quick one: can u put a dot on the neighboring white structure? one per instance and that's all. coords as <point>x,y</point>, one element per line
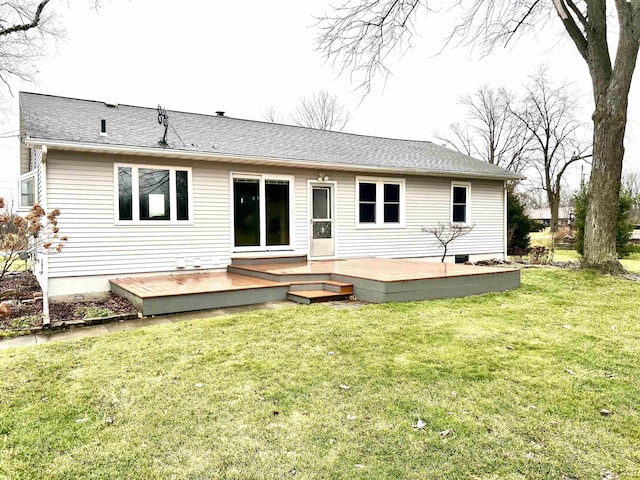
<point>221,187</point>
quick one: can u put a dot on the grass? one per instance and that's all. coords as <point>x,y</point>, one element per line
<point>519,379</point>
<point>543,239</point>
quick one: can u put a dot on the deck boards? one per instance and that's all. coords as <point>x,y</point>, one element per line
<point>375,280</point>
<point>190,283</point>
<point>378,269</point>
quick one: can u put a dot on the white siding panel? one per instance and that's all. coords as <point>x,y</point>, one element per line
<point>427,202</point>
<point>82,187</point>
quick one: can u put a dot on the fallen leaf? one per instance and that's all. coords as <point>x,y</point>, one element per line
<point>345,387</point>
<point>446,432</point>
<point>570,372</point>
<point>419,425</point>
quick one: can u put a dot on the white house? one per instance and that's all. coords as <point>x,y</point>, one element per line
<point>143,192</point>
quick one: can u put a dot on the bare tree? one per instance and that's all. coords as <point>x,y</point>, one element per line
<point>322,111</point>
<point>272,114</point>
<point>24,25</point>
<point>446,233</point>
<point>360,35</point>
<point>547,114</point>
<point>491,131</point>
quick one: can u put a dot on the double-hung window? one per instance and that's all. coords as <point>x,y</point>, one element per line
<point>27,190</point>
<point>380,202</point>
<point>460,193</point>
<point>152,194</point>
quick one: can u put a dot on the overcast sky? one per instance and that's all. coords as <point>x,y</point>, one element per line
<point>203,56</point>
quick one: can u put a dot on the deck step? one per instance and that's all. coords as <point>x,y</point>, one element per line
<point>261,260</point>
<point>315,296</point>
<point>327,285</point>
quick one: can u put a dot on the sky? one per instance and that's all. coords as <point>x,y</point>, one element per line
<point>240,57</point>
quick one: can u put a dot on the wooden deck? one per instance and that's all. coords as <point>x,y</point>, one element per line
<point>192,283</point>
<point>375,280</point>
<point>377,269</point>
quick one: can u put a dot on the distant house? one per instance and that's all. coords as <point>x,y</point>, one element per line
<point>141,196</point>
<point>543,215</point>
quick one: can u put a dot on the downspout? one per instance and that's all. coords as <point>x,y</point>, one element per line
<point>506,225</point>
<point>45,259</point>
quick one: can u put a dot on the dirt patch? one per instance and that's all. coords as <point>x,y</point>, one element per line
<point>25,298</point>
<point>494,262</point>
<point>96,308</point>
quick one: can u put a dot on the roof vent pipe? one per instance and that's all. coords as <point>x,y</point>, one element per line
<point>103,127</point>
<point>220,113</point>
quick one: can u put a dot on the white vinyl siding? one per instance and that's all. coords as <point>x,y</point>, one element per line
<point>428,201</point>
<point>97,246</point>
<point>82,187</point>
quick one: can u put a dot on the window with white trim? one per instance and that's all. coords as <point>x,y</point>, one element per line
<point>262,211</point>
<point>153,193</point>
<point>380,201</point>
<point>460,202</point>
<point>27,190</point>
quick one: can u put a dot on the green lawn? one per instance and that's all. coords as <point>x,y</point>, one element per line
<point>543,239</point>
<point>517,379</point>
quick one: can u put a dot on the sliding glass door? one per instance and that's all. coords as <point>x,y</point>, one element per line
<point>261,212</point>
<point>246,200</point>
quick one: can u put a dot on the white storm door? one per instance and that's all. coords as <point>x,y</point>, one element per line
<point>322,222</point>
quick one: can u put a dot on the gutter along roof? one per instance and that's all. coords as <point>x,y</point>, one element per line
<point>71,124</point>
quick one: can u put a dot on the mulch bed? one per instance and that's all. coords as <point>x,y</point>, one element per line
<point>27,302</point>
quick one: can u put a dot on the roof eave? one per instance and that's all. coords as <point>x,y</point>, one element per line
<point>243,159</point>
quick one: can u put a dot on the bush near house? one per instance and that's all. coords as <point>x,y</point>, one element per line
<point>26,236</point>
<point>519,225</point>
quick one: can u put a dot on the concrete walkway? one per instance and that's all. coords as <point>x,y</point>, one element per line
<point>95,330</point>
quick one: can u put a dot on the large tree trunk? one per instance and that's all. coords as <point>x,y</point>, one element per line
<point>611,94</point>
<point>609,124</point>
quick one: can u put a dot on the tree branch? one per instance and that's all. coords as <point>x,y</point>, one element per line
<point>26,26</point>
<point>572,28</point>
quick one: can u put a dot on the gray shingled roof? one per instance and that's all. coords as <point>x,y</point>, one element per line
<point>61,119</point>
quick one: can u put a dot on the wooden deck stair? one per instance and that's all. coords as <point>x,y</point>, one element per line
<point>323,291</point>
